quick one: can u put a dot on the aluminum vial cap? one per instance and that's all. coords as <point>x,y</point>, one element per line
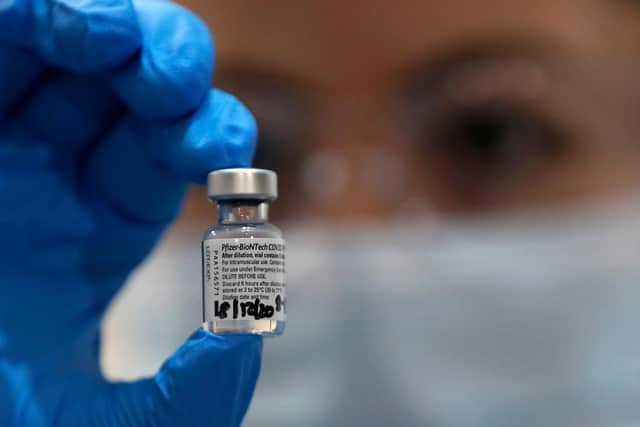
<point>242,183</point>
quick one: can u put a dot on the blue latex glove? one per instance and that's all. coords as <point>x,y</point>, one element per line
<point>105,116</point>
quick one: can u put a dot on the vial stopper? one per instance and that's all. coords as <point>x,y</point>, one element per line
<point>242,183</point>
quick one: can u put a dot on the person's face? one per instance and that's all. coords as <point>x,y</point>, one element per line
<point>371,109</point>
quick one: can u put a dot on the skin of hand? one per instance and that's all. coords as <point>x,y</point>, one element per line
<point>106,117</point>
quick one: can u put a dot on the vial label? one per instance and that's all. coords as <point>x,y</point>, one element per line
<point>244,279</point>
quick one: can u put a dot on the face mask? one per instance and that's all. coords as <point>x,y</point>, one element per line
<point>527,321</point>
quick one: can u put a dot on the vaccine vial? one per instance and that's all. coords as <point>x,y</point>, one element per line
<point>243,256</point>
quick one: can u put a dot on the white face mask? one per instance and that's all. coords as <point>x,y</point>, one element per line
<point>521,322</point>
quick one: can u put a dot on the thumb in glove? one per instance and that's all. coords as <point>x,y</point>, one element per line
<point>209,381</point>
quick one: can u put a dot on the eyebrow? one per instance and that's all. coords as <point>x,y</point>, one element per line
<point>419,78</point>
<point>277,82</point>
<point>427,74</point>
<point>275,86</point>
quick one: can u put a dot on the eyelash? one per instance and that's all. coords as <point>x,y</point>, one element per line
<point>491,145</point>
<point>494,120</point>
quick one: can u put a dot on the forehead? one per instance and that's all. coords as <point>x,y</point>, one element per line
<point>334,41</point>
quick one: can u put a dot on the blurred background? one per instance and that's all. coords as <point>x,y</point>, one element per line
<point>458,187</point>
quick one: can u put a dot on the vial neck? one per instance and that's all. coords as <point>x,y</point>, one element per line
<point>243,212</point>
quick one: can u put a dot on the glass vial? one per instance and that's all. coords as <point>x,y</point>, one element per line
<point>243,256</point>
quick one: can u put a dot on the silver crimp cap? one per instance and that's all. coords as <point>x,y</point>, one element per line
<point>242,183</point>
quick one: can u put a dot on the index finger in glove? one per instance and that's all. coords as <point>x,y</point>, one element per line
<point>142,167</point>
<point>171,74</point>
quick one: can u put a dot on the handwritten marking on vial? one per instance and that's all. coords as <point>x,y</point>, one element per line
<point>255,309</point>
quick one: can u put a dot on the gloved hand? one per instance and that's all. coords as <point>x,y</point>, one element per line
<point>105,116</point>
